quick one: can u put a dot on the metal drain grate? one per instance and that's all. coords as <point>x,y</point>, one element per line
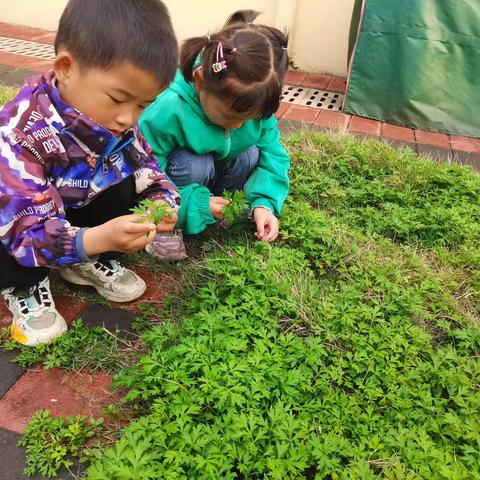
<point>24,47</point>
<point>312,97</point>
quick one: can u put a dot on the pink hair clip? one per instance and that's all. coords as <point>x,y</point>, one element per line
<point>220,64</point>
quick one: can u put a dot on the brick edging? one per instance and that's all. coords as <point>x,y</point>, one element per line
<point>362,125</point>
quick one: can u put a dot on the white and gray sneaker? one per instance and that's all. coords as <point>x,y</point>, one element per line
<point>35,318</point>
<point>111,280</point>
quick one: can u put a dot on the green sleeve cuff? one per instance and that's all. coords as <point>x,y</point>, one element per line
<point>263,202</point>
<point>195,215</point>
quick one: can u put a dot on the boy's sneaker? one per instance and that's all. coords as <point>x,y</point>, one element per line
<point>110,279</point>
<point>168,246</point>
<point>35,319</point>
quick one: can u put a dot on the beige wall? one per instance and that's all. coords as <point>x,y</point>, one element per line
<point>34,13</point>
<point>320,35</point>
<point>318,28</point>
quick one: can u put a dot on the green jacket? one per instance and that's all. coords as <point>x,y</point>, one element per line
<point>176,120</point>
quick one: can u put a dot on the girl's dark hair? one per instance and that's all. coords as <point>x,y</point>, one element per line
<point>101,33</point>
<point>256,62</point>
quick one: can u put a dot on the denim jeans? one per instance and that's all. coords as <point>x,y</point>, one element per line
<point>185,167</point>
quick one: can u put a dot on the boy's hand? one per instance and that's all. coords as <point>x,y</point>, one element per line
<point>167,224</point>
<point>267,224</point>
<point>122,234</point>
<point>217,204</point>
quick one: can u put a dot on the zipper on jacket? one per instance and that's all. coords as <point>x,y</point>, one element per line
<point>228,143</point>
<point>105,165</point>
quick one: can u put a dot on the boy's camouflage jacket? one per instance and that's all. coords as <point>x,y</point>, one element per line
<point>53,158</point>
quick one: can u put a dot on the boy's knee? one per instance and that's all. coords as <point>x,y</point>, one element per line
<point>185,167</point>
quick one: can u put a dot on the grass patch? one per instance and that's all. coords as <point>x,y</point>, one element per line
<point>349,349</point>
<point>80,347</point>
<point>7,93</point>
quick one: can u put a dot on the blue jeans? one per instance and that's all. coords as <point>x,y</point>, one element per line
<point>185,167</point>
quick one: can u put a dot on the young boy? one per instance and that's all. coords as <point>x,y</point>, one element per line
<point>72,162</point>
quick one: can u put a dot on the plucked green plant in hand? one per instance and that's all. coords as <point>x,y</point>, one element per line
<point>152,211</point>
<point>49,441</point>
<point>236,208</point>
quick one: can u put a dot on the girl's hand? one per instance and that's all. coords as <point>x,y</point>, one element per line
<point>217,204</point>
<point>267,224</point>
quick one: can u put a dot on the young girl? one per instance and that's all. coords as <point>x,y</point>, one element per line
<point>214,128</point>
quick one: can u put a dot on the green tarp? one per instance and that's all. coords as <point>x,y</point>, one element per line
<point>416,63</point>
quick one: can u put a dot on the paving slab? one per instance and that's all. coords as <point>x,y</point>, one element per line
<point>333,120</point>
<point>287,127</point>
<point>5,314</point>
<point>400,144</point>
<point>115,320</point>
<point>465,144</point>
<point>12,460</point>
<point>306,115</point>
<point>319,81</point>
<point>295,77</point>
<point>435,152</point>
<point>397,132</point>
<point>432,138</point>
<point>14,76</point>
<point>338,84</point>
<point>9,372</point>
<point>158,284</point>
<point>284,106</point>
<point>467,158</point>
<point>69,307</point>
<point>23,32</point>
<point>63,393</point>
<point>365,125</point>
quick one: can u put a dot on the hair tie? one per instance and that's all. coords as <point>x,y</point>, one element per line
<point>234,49</point>
<point>284,48</point>
<point>220,64</point>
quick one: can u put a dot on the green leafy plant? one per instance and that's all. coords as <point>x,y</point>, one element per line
<point>152,211</point>
<point>348,349</point>
<point>49,441</point>
<point>236,208</point>
<point>80,347</point>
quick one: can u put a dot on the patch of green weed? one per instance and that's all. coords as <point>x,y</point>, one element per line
<point>80,347</point>
<point>348,349</point>
<point>49,441</point>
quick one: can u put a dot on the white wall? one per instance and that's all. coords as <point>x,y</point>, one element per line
<point>318,28</point>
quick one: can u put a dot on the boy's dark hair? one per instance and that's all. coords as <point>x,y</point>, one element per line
<point>256,59</point>
<point>101,33</point>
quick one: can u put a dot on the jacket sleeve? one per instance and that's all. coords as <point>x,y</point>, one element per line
<point>150,180</point>
<point>194,214</point>
<point>268,185</point>
<point>33,228</point>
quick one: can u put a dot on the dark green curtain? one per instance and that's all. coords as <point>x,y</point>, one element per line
<point>416,63</point>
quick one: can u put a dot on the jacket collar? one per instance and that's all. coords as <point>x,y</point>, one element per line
<point>82,129</point>
<point>186,90</point>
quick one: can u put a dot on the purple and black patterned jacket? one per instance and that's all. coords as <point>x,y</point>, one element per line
<point>53,158</point>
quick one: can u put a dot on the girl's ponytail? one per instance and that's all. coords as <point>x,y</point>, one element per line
<point>189,52</point>
<point>242,16</point>
<point>243,64</point>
